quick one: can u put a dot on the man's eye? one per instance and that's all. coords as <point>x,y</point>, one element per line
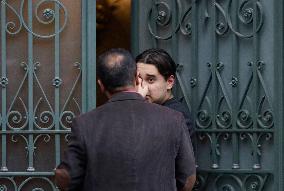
<point>151,80</point>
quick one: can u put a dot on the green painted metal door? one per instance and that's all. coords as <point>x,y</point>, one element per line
<point>229,56</point>
<point>47,77</point>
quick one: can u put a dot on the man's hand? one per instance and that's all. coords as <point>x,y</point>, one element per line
<point>190,181</point>
<point>142,88</point>
<point>62,179</point>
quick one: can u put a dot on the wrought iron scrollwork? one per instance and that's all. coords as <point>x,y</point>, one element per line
<point>204,119</point>
<point>43,119</point>
<point>228,183</point>
<point>185,24</point>
<point>244,119</point>
<point>46,138</point>
<point>8,184</point>
<point>214,147</point>
<point>17,119</point>
<point>254,182</point>
<point>246,15</point>
<point>47,17</point>
<point>222,26</point>
<point>67,116</point>
<point>162,19</point>
<point>223,119</point>
<point>265,119</point>
<point>36,179</point>
<point>231,182</point>
<point>256,144</point>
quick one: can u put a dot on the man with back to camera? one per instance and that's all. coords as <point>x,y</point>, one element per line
<point>126,144</point>
<point>158,72</point>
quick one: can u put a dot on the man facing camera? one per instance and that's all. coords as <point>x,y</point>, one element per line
<point>126,144</point>
<point>158,72</point>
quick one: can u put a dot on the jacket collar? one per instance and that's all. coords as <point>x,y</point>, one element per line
<point>125,96</point>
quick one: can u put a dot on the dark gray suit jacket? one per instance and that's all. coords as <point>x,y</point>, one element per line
<point>129,145</point>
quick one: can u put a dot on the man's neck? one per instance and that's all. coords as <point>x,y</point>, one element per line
<point>122,89</point>
<point>168,97</point>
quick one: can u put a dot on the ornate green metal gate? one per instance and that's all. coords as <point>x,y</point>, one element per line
<point>230,75</point>
<point>47,77</point>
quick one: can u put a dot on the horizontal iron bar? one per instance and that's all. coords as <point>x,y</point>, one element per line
<point>235,130</point>
<point>7,174</point>
<point>36,132</point>
<point>235,171</point>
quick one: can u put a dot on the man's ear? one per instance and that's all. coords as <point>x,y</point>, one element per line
<point>170,82</point>
<point>102,87</point>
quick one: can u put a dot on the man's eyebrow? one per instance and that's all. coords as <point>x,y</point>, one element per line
<point>151,75</point>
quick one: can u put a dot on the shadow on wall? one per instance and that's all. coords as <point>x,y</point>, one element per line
<point>113,29</point>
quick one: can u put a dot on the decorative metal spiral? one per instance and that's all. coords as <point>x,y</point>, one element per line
<point>46,138</point>
<point>244,120</point>
<point>8,184</point>
<point>222,26</point>
<point>11,27</point>
<point>224,121</point>
<point>3,188</point>
<point>45,118</point>
<point>227,183</point>
<point>265,120</point>
<point>246,15</point>
<point>16,120</point>
<point>185,25</point>
<point>163,18</point>
<point>66,119</point>
<point>203,119</point>
<point>254,182</point>
<point>29,180</point>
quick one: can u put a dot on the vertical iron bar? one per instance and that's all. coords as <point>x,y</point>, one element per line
<point>91,56</point>
<point>84,54</point>
<point>278,23</point>
<point>30,87</point>
<point>255,84</point>
<point>214,84</point>
<point>235,90</point>
<point>57,90</point>
<point>174,41</point>
<point>214,65</point>
<point>4,91</point>
<point>153,23</point>
<point>194,66</point>
<point>135,28</point>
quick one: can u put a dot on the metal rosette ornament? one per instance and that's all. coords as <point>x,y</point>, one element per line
<point>160,15</point>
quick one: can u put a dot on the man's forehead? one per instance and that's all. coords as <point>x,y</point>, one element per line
<point>148,69</point>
